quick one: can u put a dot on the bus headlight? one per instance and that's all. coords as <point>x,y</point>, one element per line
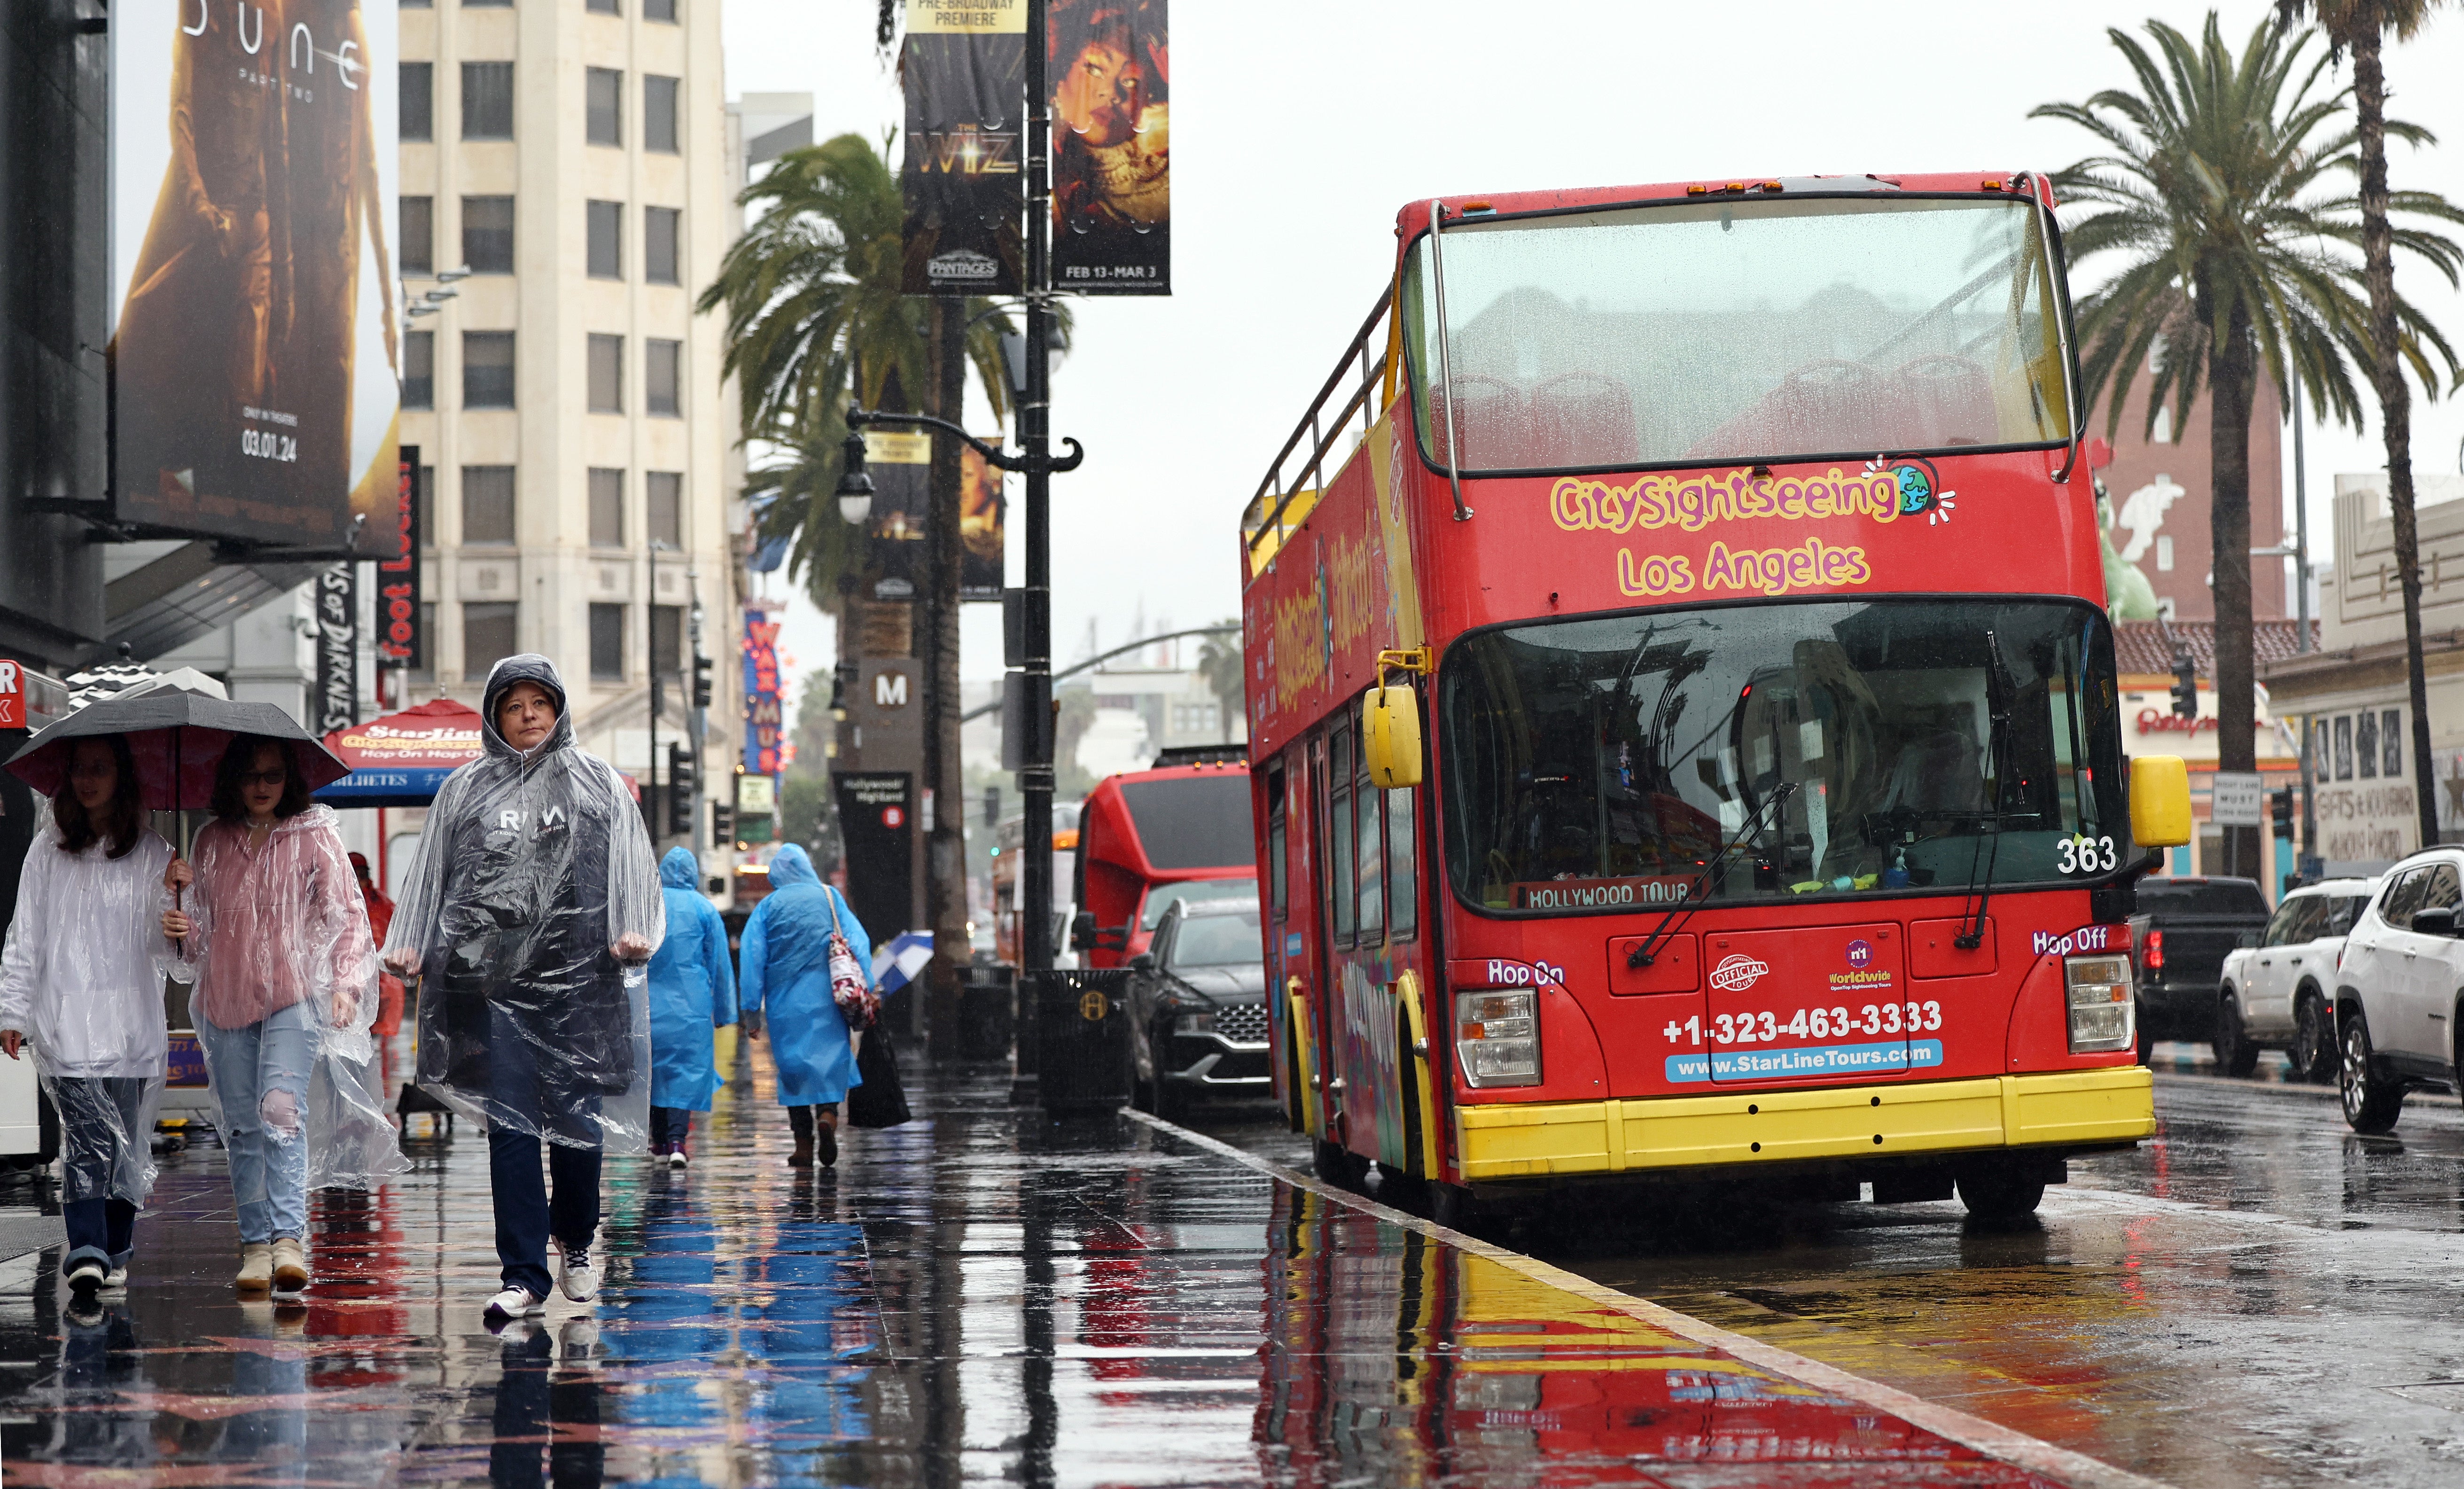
<point>1497,1036</point>
<point>2103,1013</point>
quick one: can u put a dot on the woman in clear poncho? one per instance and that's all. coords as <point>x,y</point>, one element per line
<point>530,905</point>
<point>272,928</point>
<point>81,984</point>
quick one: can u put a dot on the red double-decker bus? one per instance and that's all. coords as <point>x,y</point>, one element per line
<point>1682,719</point>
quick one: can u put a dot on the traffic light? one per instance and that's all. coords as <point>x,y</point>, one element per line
<point>992,806</point>
<point>701,682</point>
<point>2185,687</point>
<point>843,682</point>
<point>722,824</point>
<point>2279,805</point>
<point>683,770</point>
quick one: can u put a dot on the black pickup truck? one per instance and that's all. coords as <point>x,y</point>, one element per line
<point>2179,940</point>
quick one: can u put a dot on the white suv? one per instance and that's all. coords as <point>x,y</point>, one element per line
<point>2400,988</point>
<point>2276,992</point>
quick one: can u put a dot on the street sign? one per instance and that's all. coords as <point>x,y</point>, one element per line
<point>2237,801</point>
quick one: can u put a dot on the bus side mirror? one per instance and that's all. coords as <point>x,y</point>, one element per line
<point>2160,801</point>
<point>1390,735</point>
<point>1082,931</point>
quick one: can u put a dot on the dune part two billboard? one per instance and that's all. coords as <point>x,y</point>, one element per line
<point>256,340</point>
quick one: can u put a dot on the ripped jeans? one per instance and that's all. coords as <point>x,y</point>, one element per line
<point>260,1079</point>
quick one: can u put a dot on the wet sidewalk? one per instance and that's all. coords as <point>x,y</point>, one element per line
<point>975,1297</point>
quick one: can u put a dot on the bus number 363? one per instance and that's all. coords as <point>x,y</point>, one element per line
<point>1818,1023</point>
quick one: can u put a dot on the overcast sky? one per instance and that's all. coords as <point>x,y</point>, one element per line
<point>1299,129</point>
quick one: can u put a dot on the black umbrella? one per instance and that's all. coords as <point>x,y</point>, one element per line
<point>177,738</point>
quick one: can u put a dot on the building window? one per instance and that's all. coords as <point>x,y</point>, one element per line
<point>603,7</point>
<point>487,506</point>
<point>487,637</point>
<point>488,235</point>
<point>2344,747</point>
<point>663,376</point>
<point>487,4</point>
<point>2320,754</point>
<point>606,238</point>
<point>486,101</point>
<point>668,638</point>
<point>419,370</point>
<point>487,369</point>
<point>659,10</point>
<point>2365,745</point>
<point>607,374</point>
<point>2391,741</point>
<point>607,508</point>
<point>606,644</point>
<point>659,115</point>
<point>602,98</point>
<point>418,234</point>
<point>666,491</point>
<point>417,120</point>
<point>2165,553</point>
<point>427,507</point>
<point>661,226</point>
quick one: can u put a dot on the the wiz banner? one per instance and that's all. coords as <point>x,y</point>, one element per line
<point>255,347</point>
<point>1109,64</point>
<point>964,68</point>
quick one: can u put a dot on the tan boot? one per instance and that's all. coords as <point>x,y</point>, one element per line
<point>290,1264</point>
<point>802,1156</point>
<point>255,1268</point>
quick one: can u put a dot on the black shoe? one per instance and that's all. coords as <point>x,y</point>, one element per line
<point>86,1277</point>
<point>825,1144</point>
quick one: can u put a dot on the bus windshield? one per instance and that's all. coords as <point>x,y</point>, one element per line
<point>1842,747</point>
<point>1749,329</point>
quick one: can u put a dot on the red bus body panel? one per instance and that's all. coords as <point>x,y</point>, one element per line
<point>1116,873</point>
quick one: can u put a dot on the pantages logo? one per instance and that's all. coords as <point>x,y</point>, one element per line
<point>1738,971</point>
<point>962,264</point>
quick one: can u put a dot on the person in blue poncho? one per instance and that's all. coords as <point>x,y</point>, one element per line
<point>693,993</point>
<point>786,962</point>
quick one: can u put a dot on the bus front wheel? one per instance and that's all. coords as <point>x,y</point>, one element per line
<point>1999,1196</point>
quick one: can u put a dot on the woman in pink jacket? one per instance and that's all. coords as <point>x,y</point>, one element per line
<point>278,934</point>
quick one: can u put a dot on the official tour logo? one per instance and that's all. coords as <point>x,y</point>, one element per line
<point>1860,953</point>
<point>1738,971</point>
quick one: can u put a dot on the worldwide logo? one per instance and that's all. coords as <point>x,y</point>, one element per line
<point>1737,973</point>
<point>1859,953</point>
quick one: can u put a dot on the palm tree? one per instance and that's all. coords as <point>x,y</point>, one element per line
<point>2212,189</point>
<point>1218,662</point>
<point>2362,26</point>
<point>816,320</point>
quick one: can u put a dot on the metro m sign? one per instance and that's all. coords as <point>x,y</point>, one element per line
<point>889,690</point>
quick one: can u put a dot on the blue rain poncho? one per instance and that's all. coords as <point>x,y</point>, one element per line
<point>787,959</point>
<point>692,990</point>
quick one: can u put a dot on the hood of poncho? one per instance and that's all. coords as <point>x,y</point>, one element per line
<point>792,866</point>
<point>528,667</point>
<point>679,869</point>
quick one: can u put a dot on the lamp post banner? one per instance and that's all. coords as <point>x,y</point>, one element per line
<point>983,520</point>
<point>964,68</point>
<point>257,337</point>
<point>1110,66</point>
<point>338,648</point>
<point>761,726</point>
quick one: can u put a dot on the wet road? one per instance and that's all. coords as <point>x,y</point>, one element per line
<point>972,1296</point>
<point>2257,1297</point>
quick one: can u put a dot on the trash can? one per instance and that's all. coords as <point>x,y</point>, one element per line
<point>1082,1028</point>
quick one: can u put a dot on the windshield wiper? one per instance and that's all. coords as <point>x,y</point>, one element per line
<point>1997,707</point>
<point>1700,890</point>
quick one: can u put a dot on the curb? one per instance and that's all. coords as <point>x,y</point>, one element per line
<point>1990,1439</point>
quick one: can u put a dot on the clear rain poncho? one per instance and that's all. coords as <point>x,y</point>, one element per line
<point>81,978</point>
<point>280,926</point>
<point>529,868</point>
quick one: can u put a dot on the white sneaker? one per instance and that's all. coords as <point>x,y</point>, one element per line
<point>517,1302</point>
<point>577,1276</point>
<point>117,1277</point>
<point>676,1159</point>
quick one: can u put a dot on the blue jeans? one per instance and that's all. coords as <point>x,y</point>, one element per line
<point>260,1077</point>
<point>102,1123</point>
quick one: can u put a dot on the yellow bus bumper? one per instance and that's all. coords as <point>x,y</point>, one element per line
<point>2082,1108</point>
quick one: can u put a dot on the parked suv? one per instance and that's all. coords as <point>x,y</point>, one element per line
<point>2185,929</point>
<point>2400,988</point>
<point>2275,989</point>
<point>1198,1007</point>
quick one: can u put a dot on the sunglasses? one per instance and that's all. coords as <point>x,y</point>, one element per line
<point>265,777</point>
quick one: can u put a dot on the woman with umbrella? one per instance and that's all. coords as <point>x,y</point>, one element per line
<point>278,935</point>
<point>81,980</point>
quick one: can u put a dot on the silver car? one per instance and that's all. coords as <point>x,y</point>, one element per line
<point>2276,993</point>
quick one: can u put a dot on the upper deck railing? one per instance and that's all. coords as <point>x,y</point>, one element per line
<point>1265,524</point>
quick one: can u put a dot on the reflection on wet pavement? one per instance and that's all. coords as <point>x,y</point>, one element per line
<point>2258,1297</point>
<point>972,1296</point>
